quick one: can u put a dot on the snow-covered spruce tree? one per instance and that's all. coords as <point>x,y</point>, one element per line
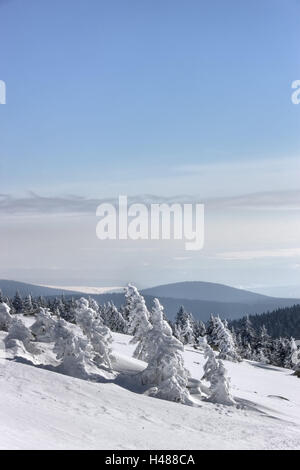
<point>18,335</point>
<point>220,387</point>
<point>5,317</point>
<point>187,332</point>
<point>177,332</point>
<point>74,352</point>
<point>2,300</point>
<point>41,301</point>
<point>211,335</point>
<point>27,305</point>
<point>292,356</point>
<point>97,334</point>
<point>18,303</point>
<point>224,342</point>
<point>114,319</point>
<point>68,311</point>
<point>165,373</point>
<point>57,306</point>
<point>284,352</point>
<point>124,313</point>
<point>248,339</point>
<point>263,346</point>
<point>9,301</point>
<point>199,329</point>
<point>93,304</point>
<point>44,326</point>
<point>184,326</point>
<point>138,322</point>
<point>211,364</point>
<point>215,373</point>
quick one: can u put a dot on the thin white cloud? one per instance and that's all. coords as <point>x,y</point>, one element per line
<point>256,254</point>
<point>33,203</point>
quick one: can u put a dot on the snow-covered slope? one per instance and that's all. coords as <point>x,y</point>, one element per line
<point>41,409</point>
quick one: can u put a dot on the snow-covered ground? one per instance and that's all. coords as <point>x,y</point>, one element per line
<point>41,409</point>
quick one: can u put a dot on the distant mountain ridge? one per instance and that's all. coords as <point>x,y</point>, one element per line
<point>10,287</point>
<point>197,290</point>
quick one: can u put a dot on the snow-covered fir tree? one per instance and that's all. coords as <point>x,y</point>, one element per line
<point>73,352</point>
<point>184,326</point>
<point>93,304</point>
<point>248,339</point>
<point>5,317</point>
<point>57,306</point>
<point>220,387</point>
<point>283,351</point>
<point>165,373</point>
<point>215,373</point>
<point>187,335</point>
<point>211,335</point>
<point>68,311</point>
<point>224,341</point>
<point>263,346</point>
<point>96,332</point>
<point>211,364</point>
<point>291,356</point>
<point>138,322</point>
<point>44,326</point>
<point>199,329</point>
<point>27,305</point>
<point>114,319</point>
<point>18,303</point>
<point>19,333</point>
<point>41,301</point>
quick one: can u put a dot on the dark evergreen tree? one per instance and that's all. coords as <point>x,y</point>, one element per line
<point>262,348</point>
<point>211,328</point>
<point>18,303</point>
<point>248,338</point>
<point>184,326</point>
<point>199,329</point>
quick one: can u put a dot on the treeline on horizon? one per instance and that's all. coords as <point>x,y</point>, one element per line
<point>279,323</point>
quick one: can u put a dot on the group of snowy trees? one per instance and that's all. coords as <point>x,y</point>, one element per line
<point>165,375</point>
<point>78,352</point>
<point>86,344</point>
<point>280,323</point>
<point>134,318</point>
<point>241,341</point>
<point>260,346</point>
<point>30,305</point>
<point>186,328</point>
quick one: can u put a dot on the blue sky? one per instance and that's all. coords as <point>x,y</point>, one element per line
<point>144,86</point>
<point>163,97</point>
